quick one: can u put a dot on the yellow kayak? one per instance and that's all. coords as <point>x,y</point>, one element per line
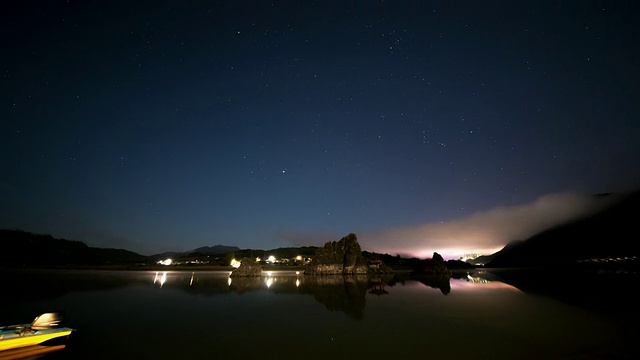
<point>43,328</point>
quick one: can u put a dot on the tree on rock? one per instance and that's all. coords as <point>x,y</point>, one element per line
<point>339,257</point>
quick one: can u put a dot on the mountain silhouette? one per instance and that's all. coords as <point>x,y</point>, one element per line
<point>204,250</point>
<point>609,236</point>
<point>216,249</point>
<point>21,248</point>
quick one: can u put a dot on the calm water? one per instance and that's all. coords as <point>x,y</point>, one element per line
<point>207,315</point>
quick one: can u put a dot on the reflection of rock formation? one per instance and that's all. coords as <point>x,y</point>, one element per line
<point>434,273</point>
<point>437,282</point>
<point>248,267</point>
<point>377,286</point>
<point>339,293</point>
<point>341,257</point>
<point>244,284</point>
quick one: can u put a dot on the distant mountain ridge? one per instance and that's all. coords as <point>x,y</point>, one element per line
<point>203,250</point>
<point>216,249</point>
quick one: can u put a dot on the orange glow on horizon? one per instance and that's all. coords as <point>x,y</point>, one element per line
<point>454,253</point>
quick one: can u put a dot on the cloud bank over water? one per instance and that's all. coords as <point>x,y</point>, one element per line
<point>484,232</point>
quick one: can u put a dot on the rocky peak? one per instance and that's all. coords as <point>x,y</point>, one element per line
<point>248,267</point>
<point>339,257</point>
<point>436,266</point>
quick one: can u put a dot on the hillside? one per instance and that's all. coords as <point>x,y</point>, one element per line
<point>20,249</point>
<point>607,237</point>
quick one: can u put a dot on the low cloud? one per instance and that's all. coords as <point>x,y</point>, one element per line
<point>484,232</point>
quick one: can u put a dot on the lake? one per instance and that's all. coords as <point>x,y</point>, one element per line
<point>284,315</point>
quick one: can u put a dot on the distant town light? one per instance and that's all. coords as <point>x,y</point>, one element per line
<point>235,263</point>
<point>165,262</point>
<point>271,259</point>
<point>299,258</point>
<point>258,259</point>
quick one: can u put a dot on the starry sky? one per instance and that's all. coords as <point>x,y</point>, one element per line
<point>449,126</point>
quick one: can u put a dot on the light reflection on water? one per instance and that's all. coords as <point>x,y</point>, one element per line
<point>472,316</point>
<point>289,278</point>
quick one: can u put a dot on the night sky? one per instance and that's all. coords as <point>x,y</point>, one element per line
<point>451,126</point>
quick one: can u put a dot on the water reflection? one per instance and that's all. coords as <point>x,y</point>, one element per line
<point>436,282</point>
<point>339,293</point>
<point>162,280</point>
<point>324,316</point>
<point>477,279</point>
<point>242,285</point>
<point>31,352</point>
<point>346,294</point>
<point>377,287</point>
<point>607,293</point>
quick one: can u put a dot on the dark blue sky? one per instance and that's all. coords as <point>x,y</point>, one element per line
<point>168,125</point>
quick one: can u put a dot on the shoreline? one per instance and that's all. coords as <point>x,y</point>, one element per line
<point>134,267</point>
